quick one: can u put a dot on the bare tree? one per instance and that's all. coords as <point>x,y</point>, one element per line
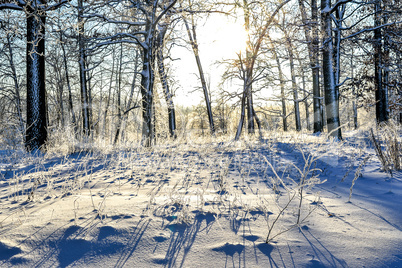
<point>192,35</point>
<point>36,128</point>
<point>247,66</point>
<point>330,88</point>
<point>162,29</point>
<point>311,34</point>
<point>381,92</point>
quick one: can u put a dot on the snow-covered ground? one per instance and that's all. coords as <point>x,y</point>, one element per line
<point>205,204</point>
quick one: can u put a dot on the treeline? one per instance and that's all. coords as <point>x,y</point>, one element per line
<point>95,66</point>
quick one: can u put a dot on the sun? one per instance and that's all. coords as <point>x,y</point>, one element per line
<point>234,37</point>
<point>225,37</point>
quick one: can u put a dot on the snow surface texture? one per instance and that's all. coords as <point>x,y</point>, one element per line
<point>202,205</point>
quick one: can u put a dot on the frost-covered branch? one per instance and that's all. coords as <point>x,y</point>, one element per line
<point>371,29</point>
<point>10,6</point>
<point>108,20</point>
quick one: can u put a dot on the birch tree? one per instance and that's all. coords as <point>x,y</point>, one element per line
<point>330,88</point>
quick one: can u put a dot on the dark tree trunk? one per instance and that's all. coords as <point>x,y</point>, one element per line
<point>294,84</point>
<point>119,106</point>
<point>194,44</point>
<point>147,85</point>
<point>380,88</point>
<point>354,97</point>
<point>250,110</point>
<point>85,105</point>
<point>242,111</point>
<point>313,48</point>
<point>249,71</point>
<point>36,129</point>
<point>70,97</point>
<point>306,102</point>
<point>283,96</point>
<point>60,102</point>
<point>284,112</point>
<point>317,102</point>
<point>257,120</point>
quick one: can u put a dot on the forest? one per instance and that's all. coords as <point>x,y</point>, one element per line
<point>180,133</point>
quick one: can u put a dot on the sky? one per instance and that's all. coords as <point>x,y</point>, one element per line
<point>219,38</point>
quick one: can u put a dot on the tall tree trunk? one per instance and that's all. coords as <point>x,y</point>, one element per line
<point>70,97</point>
<point>60,88</point>
<point>315,67</point>
<point>249,71</point>
<point>250,111</point>
<point>339,15</point>
<point>257,120</point>
<point>283,100</point>
<point>119,112</point>
<point>380,89</point>
<point>331,95</point>
<point>385,63</point>
<point>294,84</point>
<point>36,129</point>
<point>242,111</point>
<point>282,86</point>
<point>192,35</point>
<point>147,85</point>
<point>89,92</point>
<point>313,49</point>
<point>164,81</point>
<point>251,56</point>
<point>306,101</point>
<point>354,95</point>
<point>83,78</point>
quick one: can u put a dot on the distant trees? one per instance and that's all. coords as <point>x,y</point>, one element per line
<point>11,84</point>
<point>247,63</point>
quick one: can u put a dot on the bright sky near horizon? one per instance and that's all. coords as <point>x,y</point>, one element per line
<point>219,38</point>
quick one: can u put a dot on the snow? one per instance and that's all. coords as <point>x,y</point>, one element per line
<point>201,204</point>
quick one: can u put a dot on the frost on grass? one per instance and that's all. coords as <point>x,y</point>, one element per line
<point>178,182</point>
<point>235,196</point>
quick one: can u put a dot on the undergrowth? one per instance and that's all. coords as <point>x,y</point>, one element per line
<point>181,179</point>
<point>388,146</point>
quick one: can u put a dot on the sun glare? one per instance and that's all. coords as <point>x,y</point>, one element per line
<point>234,37</point>
<point>227,36</point>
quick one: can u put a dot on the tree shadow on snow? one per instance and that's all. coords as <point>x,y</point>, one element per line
<point>7,252</point>
<point>322,257</point>
<point>132,244</point>
<point>231,250</point>
<point>182,239</point>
